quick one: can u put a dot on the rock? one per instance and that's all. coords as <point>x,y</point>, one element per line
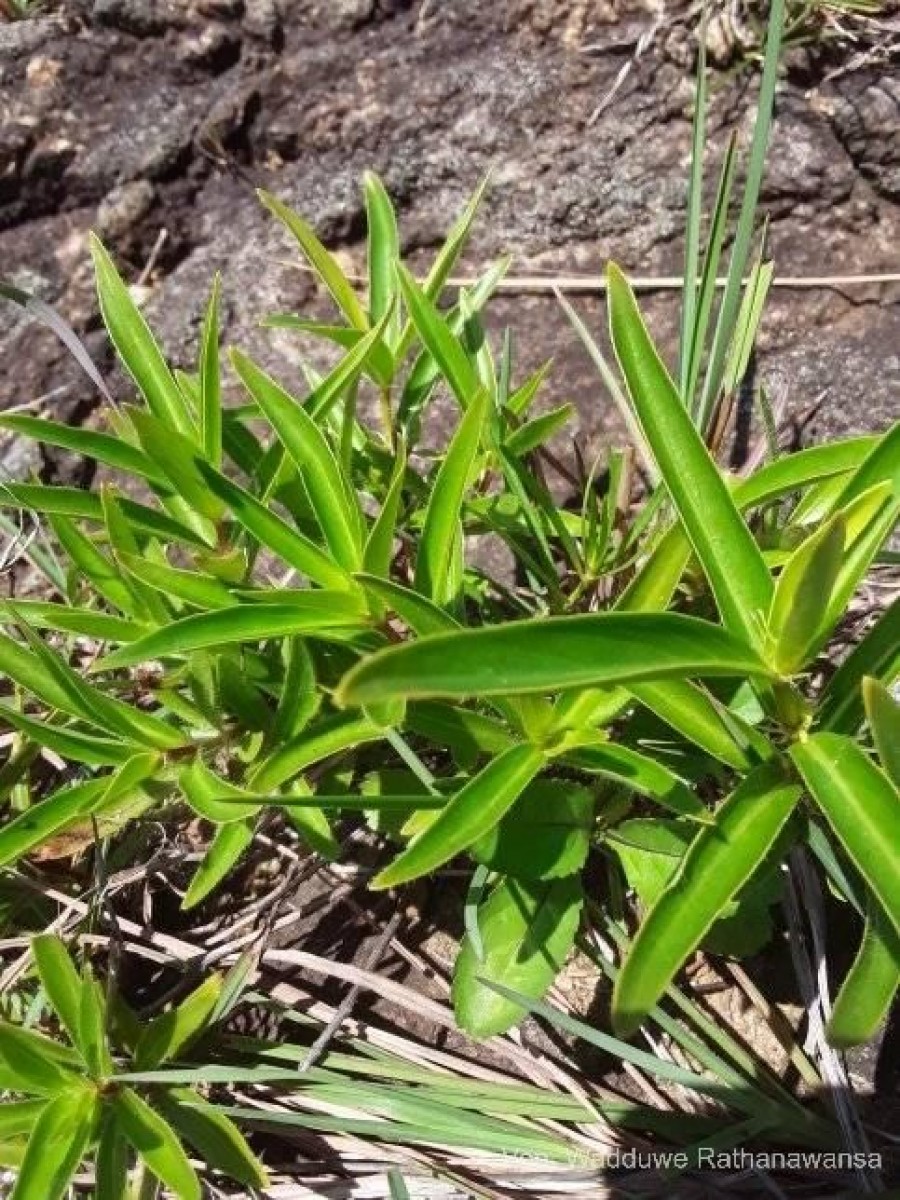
<point>866,123</point>
<point>42,72</point>
<point>215,48</point>
<point>123,207</point>
<point>143,18</point>
<point>262,20</point>
<point>346,14</point>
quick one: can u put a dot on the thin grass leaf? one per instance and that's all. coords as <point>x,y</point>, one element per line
<point>441,527</point>
<point>720,860</point>
<point>730,557</point>
<point>740,250</point>
<point>468,816</point>
<point>550,655</point>
<point>708,280</point>
<point>136,346</point>
<point>379,547</point>
<point>862,807</point>
<point>540,429</point>
<point>748,320</point>
<point>694,215</point>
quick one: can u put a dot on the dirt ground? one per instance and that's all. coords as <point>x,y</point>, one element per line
<point>152,120</point>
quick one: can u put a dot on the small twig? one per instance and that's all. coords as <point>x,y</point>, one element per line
<point>346,1006</point>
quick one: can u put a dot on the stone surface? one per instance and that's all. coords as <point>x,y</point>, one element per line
<point>154,121</point>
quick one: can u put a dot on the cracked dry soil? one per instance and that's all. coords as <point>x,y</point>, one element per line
<point>152,120</point>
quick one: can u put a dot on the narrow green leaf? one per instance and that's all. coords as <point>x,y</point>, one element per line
<point>641,774</point>
<point>97,569</point>
<point>881,465</point>
<point>57,1144</point>
<point>299,699</point>
<point>104,627</point>
<point>719,862</point>
<point>203,591</point>
<point>468,816</point>
<point>271,531</point>
<point>213,1136</point>
<point>538,430</point>
<point>702,720</point>
<point>333,735</point>
<point>802,594</point>
<point>309,612</point>
<point>178,457</point>
<point>383,246</point>
<point>321,260</point>
<point>441,527</point>
<point>550,655</point>
<point>169,1033</point>
<point>136,346</point>
<point>17,1117</point>
<point>861,805</point>
<point>527,931</point>
<point>156,1143</point>
<point>60,980</point>
<point>883,713</point>
<point>421,615</point>
<point>731,560</point>
<point>111,1164</point>
<point>330,494</point>
<point>870,985</point>
<point>92,1037</point>
<point>379,548</point>
<point>694,215</point>
<point>210,381</point>
<point>102,447</point>
<point>436,335</point>
<point>371,356</point>
<point>226,848</point>
<point>878,654</point>
<point>32,1063</point>
<point>75,502</point>
<point>49,817</point>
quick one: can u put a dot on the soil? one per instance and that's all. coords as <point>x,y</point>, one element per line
<point>152,120</point>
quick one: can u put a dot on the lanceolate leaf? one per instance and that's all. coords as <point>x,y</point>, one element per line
<point>383,246</point>
<point>330,494</point>
<point>103,447</point>
<point>468,816</point>
<point>313,612</point>
<point>550,655</point>
<point>640,774</point>
<point>883,713</point>
<point>212,1135</point>
<point>43,820</point>
<point>59,979</point>
<point>136,346</point>
<point>170,1032</point>
<point>719,862</point>
<point>861,805</point>
<point>225,850</point>
<point>210,382</point>
<point>442,517</point>
<point>802,595</point>
<point>445,348</point>
<point>730,557</point>
<point>527,931</point>
<point>321,260</point>
<point>878,654</point>
<point>870,985</point>
<point>156,1143</point>
<point>58,1141</point>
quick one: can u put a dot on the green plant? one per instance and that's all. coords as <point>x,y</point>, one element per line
<point>76,1099</point>
<point>290,621</point>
